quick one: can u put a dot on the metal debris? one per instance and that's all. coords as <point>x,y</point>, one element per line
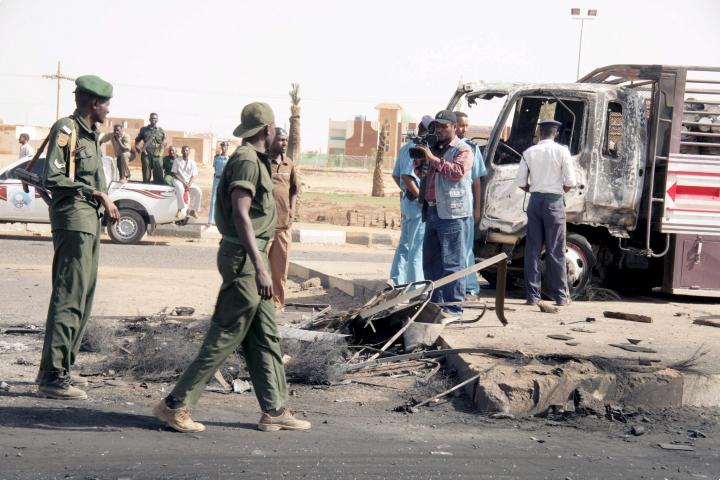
<point>676,446</point>
<point>630,317</point>
<point>560,337</point>
<point>633,348</point>
<point>241,386</point>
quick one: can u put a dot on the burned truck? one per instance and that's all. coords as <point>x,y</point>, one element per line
<point>645,140</point>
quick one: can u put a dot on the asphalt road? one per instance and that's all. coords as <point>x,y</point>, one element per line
<point>356,433</point>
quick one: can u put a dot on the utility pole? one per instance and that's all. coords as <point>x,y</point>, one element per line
<point>58,76</point>
<point>579,14</point>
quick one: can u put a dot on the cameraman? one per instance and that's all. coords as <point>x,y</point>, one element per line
<point>447,202</point>
<point>407,266</point>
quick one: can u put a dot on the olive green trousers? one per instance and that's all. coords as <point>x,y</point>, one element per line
<point>152,169</point>
<point>74,275</point>
<point>241,319</point>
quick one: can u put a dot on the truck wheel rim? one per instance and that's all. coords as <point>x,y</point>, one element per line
<point>126,227</point>
<point>577,265</point>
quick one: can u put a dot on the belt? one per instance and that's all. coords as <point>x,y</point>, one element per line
<point>262,243</point>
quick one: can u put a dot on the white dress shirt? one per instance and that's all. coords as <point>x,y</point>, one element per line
<point>546,167</point>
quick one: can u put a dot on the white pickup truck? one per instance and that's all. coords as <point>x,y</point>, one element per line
<point>142,206</point>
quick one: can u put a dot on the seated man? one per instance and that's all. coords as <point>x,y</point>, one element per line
<point>167,165</point>
<point>184,171</point>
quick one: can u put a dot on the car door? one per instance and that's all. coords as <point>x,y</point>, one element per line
<point>16,205</point>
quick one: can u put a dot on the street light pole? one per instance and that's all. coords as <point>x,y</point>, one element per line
<point>579,14</point>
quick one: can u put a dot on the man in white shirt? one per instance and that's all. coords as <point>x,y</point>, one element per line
<point>546,171</point>
<point>184,171</point>
<point>26,150</point>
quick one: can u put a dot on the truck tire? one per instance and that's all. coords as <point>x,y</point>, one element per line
<point>580,261</point>
<point>129,229</point>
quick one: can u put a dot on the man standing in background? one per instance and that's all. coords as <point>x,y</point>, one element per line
<point>478,171</point>
<point>26,150</point>
<point>121,147</point>
<point>218,165</point>
<point>286,187</point>
<point>407,266</point>
<point>153,140</point>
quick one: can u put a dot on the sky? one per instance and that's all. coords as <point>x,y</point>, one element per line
<point>197,63</point>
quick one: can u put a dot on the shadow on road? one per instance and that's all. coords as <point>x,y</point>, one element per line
<point>76,419</point>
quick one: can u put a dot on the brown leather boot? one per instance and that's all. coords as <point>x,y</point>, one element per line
<point>285,421</point>
<point>177,418</point>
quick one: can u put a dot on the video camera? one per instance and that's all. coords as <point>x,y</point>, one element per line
<point>428,140</point>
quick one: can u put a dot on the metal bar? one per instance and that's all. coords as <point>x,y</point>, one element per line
<point>429,354</point>
<point>700,144</point>
<point>443,281</point>
<point>704,91</point>
<point>698,124</point>
<point>500,283</point>
<point>701,112</point>
<point>392,339</point>
<point>703,134</point>
<point>714,82</point>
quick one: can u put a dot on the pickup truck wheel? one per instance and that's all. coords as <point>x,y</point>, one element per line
<point>580,261</point>
<point>129,229</point>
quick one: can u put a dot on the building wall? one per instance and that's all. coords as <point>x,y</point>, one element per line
<point>390,115</point>
<point>9,135</point>
<point>363,139</point>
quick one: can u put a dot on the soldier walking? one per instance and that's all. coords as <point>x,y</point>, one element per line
<point>153,140</point>
<point>74,175</point>
<point>244,313</point>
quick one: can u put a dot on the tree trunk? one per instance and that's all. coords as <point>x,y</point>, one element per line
<point>294,134</point>
<point>378,188</point>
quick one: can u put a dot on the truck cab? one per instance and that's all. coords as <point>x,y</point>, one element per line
<point>618,124</point>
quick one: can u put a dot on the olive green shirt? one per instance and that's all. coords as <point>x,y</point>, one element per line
<point>152,138</point>
<point>250,170</point>
<point>72,206</point>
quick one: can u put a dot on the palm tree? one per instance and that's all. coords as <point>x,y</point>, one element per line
<point>294,135</point>
<point>378,188</point>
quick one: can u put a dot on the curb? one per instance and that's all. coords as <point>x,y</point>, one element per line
<point>664,388</point>
<point>361,290</point>
<point>304,236</point>
<point>42,228</point>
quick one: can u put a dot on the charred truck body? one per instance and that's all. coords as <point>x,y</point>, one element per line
<point>645,140</point>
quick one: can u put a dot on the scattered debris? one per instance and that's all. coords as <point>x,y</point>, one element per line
<point>647,361</point>
<point>632,348</point>
<point>630,317</point>
<point>474,378</point>
<point>22,361</point>
<point>23,330</point>
<point>676,446</point>
<point>5,386</point>
<point>441,453</point>
<point>98,337</point>
<point>546,307</point>
<point>183,311</point>
<point>218,376</point>
<point>313,282</point>
<point>708,321</point>
<point>535,439</point>
<point>634,341</point>
<point>582,330</point>
<point>690,365</point>
<point>241,386</point>
<point>291,333</point>
<point>696,434</point>
<point>637,430</point>
<point>116,383</point>
<point>560,337</point>
<point>7,347</point>
<point>316,362</point>
<point>572,344</point>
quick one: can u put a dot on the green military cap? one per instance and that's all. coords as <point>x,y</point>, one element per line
<point>254,117</point>
<point>94,85</point>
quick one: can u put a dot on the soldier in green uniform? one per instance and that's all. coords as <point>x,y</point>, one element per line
<point>74,175</point>
<point>244,313</point>
<point>167,163</point>
<point>153,140</point>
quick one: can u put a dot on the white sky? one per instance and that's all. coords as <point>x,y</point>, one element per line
<point>197,63</point>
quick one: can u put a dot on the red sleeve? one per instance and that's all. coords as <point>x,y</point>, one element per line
<point>458,167</point>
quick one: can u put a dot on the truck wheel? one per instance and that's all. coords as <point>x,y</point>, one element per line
<point>129,229</point>
<point>580,261</point>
